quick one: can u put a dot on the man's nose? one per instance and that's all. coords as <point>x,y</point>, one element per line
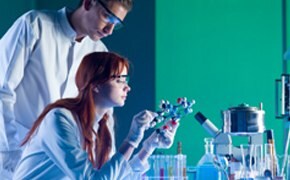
<point>108,29</point>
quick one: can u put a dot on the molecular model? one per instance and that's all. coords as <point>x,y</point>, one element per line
<point>173,113</point>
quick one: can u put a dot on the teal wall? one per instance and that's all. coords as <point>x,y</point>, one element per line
<point>220,53</point>
<point>10,11</point>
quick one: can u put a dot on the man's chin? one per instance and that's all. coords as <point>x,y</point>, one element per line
<point>95,38</point>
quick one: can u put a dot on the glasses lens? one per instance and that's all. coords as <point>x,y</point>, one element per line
<point>127,79</point>
<point>122,78</point>
<point>110,17</point>
<point>118,26</point>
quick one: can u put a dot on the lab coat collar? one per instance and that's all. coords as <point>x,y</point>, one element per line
<point>65,25</point>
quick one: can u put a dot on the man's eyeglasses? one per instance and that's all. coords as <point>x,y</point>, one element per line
<point>110,17</point>
<point>123,79</point>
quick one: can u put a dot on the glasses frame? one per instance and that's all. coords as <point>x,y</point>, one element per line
<point>119,23</point>
<point>122,76</point>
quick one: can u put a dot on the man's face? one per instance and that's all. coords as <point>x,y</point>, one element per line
<point>101,18</point>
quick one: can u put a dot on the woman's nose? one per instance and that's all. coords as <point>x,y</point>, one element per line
<point>127,88</point>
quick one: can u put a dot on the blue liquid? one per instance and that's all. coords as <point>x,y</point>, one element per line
<point>208,172</point>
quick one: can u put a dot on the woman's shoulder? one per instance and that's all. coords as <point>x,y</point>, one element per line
<point>61,115</point>
<point>61,111</point>
<point>58,126</point>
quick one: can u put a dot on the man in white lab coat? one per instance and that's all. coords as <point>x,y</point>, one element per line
<point>39,56</point>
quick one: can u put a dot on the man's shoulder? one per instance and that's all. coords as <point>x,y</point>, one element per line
<point>39,15</point>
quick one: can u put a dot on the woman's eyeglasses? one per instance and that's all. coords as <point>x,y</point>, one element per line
<point>123,79</point>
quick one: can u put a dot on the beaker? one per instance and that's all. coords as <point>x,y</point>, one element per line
<point>247,161</point>
<point>259,165</point>
<point>282,162</point>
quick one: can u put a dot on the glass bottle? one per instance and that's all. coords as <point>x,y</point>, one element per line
<point>206,168</point>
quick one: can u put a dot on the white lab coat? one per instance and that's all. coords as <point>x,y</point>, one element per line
<point>55,152</point>
<point>38,61</point>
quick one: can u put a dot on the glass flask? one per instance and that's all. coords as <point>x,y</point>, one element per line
<point>206,167</point>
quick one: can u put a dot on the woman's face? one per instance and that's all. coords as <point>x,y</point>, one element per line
<point>114,92</point>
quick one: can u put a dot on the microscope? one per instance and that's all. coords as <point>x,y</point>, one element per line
<point>242,120</point>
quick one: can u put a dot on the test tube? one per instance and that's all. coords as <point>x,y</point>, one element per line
<point>156,166</point>
<point>170,166</point>
<point>184,167</point>
<point>271,140</point>
<point>288,168</point>
<point>161,167</point>
<point>269,160</point>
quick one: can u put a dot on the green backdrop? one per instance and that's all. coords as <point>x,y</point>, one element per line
<point>220,53</point>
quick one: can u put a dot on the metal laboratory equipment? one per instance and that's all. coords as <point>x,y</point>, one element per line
<point>283,94</point>
<point>242,120</point>
<point>282,109</point>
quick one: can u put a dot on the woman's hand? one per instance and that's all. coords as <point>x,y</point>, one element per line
<point>140,123</point>
<point>163,139</point>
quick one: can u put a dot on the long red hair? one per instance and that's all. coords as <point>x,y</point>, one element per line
<point>96,68</point>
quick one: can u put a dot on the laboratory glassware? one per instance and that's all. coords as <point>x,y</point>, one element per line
<point>206,167</point>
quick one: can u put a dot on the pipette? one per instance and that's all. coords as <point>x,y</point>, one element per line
<point>285,152</point>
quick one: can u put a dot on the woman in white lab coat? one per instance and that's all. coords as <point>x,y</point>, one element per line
<point>73,138</point>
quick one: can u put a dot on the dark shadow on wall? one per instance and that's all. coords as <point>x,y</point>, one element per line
<point>136,41</point>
